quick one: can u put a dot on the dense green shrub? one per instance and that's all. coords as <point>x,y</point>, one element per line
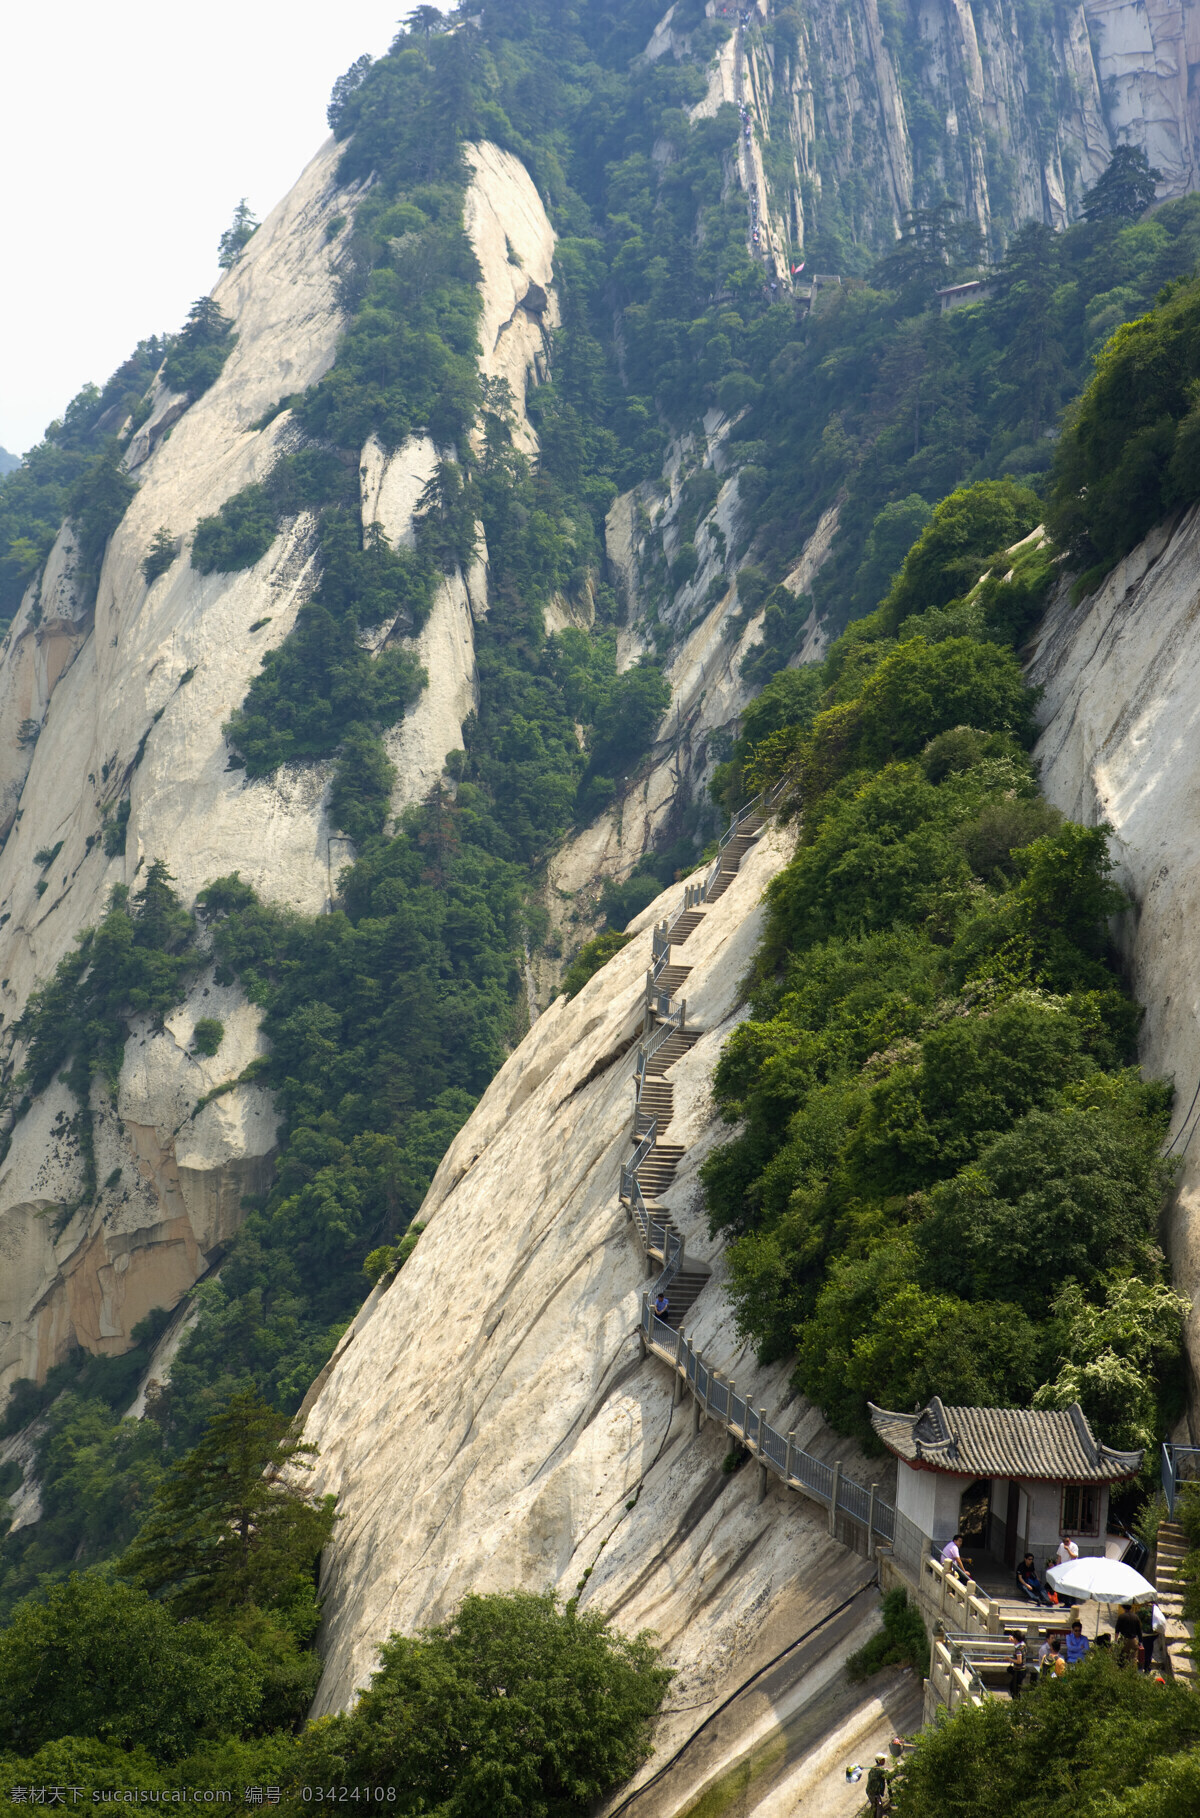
<point>314,687</point>
<point>207,1034</point>
<point>1131,450</point>
<point>512,1705</point>
<point>34,497</point>
<point>588,961</point>
<point>946,1180</point>
<point>902,1641</point>
<point>199,351</point>
<point>1103,1739</point>
<point>96,503</point>
<point>237,535</point>
<point>104,1660</point>
<point>963,531</point>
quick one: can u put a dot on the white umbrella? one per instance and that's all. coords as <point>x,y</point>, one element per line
<point>1099,1580</point>
<point>1104,1580</point>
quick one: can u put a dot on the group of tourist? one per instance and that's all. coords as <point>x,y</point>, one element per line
<point>1138,1627</point>
<point>1061,1649</point>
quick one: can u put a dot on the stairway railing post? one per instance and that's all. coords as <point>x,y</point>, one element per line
<point>787,1463</point>
<point>871,1521</point>
<point>837,1480</point>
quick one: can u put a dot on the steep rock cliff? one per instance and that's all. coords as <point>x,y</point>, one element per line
<point>128,698</point>
<point>488,1422</point>
<point>1121,680</point>
<point>863,112</point>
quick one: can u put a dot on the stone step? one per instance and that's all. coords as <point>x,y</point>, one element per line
<point>670,979</point>
<point>673,1049</point>
<point>685,924</point>
<point>721,882</point>
<point>682,1296</point>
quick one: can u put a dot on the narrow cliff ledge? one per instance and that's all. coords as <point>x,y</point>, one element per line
<point>489,1421</point>
<point>1120,675</point>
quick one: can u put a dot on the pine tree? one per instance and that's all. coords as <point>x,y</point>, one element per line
<point>229,1526</point>
<point>1126,189</point>
<point>206,323</point>
<point>236,236</point>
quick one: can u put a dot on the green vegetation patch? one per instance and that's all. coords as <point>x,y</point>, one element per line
<point>902,1641</point>
<point>1104,1739</point>
<point>950,1172</point>
<point>199,351</point>
<point>588,961</point>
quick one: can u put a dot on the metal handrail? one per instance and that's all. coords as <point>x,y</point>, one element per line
<point>1173,1458</point>
<point>695,894</point>
<point>775,1451</point>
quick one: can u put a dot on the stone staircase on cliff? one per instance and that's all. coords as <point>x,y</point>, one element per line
<point>1170,1549</point>
<point>855,1512</point>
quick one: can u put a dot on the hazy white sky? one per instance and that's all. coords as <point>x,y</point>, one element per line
<point>128,131</point>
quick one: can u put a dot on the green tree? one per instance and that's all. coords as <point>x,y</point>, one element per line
<point>1100,1740</point>
<point>588,961</point>
<point>952,551</point>
<point>237,236</point>
<point>96,504</point>
<point>1126,188</point>
<point>513,1707</point>
<point>1121,1360</point>
<point>1065,1194</point>
<point>199,350</point>
<point>161,554</point>
<point>104,1660</point>
<point>228,1526</point>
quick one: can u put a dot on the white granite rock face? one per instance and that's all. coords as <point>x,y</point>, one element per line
<point>129,700</point>
<point>488,1422</point>
<point>1121,675</point>
<point>514,243</point>
<point>834,102</point>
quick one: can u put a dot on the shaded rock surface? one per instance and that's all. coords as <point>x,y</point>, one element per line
<point>489,1423</point>
<point>1119,713</point>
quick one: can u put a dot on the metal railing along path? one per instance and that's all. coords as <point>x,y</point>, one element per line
<point>776,1452</point>
<point>1180,1464</point>
<point>713,1397</point>
<point>696,894</point>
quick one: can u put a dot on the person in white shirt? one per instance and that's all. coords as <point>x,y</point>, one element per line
<point>952,1560</point>
<point>1067,1550</point>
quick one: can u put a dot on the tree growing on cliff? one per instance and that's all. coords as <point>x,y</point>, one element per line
<point>513,1706</point>
<point>237,235</point>
<point>1126,189</point>
<point>230,1525</point>
<point>104,1660</point>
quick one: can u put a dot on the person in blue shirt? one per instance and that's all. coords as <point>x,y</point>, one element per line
<point>1077,1644</point>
